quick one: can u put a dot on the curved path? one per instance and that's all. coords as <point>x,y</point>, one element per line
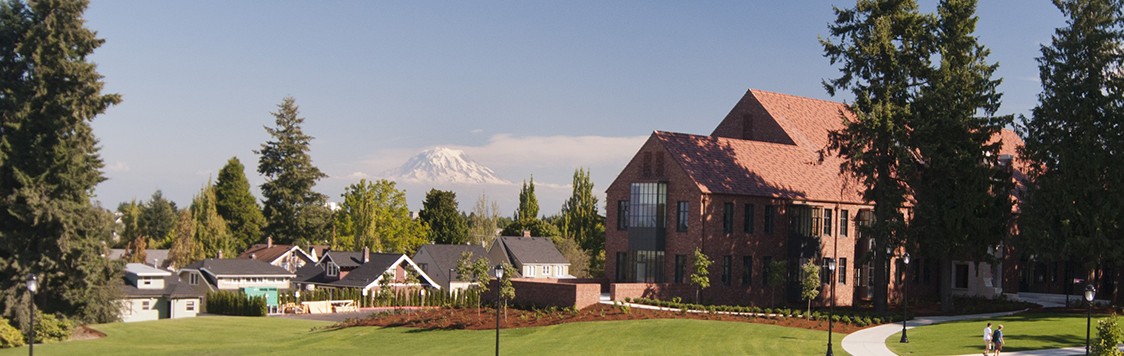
<point>872,341</point>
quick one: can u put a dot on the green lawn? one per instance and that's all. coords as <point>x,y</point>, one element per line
<point>1022,332</point>
<point>275,336</point>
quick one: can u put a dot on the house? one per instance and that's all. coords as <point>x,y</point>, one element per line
<point>532,257</point>
<point>753,192</point>
<point>153,257</point>
<point>151,293</point>
<point>440,262</point>
<point>289,257</point>
<point>253,277</point>
<point>362,270</point>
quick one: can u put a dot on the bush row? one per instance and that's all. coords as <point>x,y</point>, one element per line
<point>235,303</point>
<point>390,298</point>
<point>48,328</point>
<point>844,316</point>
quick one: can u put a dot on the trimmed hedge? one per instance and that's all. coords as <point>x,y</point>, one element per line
<point>860,319</point>
<point>236,303</point>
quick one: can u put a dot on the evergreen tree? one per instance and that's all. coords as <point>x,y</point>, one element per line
<point>293,211</point>
<point>211,231</point>
<point>238,206</point>
<point>49,165</point>
<point>962,207</point>
<point>184,249</point>
<point>446,224</point>
<point>580,219</point>
<point>158,219</point>
<point>882,46</point>
<point>375,215</point>
<point>528,203</point>
<point>1074,139</point>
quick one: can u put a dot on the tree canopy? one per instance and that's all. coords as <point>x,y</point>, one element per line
<point>293,211</point>
<point>238,206</point>
<point>375,215</point>
<point>446,223</point>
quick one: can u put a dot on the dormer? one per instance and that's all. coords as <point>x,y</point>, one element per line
<point>144,276</point>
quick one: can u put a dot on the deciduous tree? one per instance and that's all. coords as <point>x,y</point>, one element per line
<point>811,283</point>
<point>211,232</point>
<point>700,276</point>
<point>375,215</point>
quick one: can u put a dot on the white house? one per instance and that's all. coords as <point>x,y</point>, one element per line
<point>533,257</point>
<point>152,293</point>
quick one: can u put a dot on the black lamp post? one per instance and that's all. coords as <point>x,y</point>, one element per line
<point>1090,293</point>
<point>831,311</point>
<point>499,296</point>
<point>905,295</point>
<point>32,286</point>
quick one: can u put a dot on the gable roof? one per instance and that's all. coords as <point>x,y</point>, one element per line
<point>445,257</point>
<point>270,254</point>
<point>344,259</point>
<point>238,267</point>
<point>524,250</point>
<point>370,272</point>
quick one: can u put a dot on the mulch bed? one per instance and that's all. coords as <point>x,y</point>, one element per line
<point>83,332</point>
<point>484,318</point>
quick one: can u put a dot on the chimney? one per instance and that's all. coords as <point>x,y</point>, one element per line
<point>253,256</point>
<point>526,233</point>
<point>155,263</point>
<point>268,241</point>
<point>366,254</point>
<point>220,254</point>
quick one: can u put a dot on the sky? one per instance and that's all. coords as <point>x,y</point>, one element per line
<point>527,88</point>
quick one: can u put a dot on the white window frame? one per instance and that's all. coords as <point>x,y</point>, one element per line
<point>546,270</point>
<point>333,269</point>
<point>190,305</point>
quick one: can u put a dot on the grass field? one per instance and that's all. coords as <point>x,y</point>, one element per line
<point>1022,332</point>
<point>214,335</point>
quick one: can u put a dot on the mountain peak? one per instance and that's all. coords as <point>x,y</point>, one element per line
<point>445,165</point>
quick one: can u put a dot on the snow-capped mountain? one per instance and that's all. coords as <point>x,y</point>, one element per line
<point>444,165</point>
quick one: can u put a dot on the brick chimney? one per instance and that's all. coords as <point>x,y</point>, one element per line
<point>366,254</point>
<point>220,254</point>
<point>268,241</point>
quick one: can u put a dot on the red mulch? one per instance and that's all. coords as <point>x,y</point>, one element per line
<point>484,318</point>
<point>83,332</point>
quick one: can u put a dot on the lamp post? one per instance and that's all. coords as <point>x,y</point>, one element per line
<point>32,286</point>
<point>499,295</point>
<point>905,295</point>
<point>831,311</point>
<point>1090,293</point>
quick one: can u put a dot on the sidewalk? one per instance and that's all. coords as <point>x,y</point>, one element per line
<point>872,341</point>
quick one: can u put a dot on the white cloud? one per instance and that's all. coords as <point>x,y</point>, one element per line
<point>476,131</point>
<point>117,167</point>
<point>504,150</point>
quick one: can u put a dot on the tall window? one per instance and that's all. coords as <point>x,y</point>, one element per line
<point>622,214</point>
<point>646,206</point>
<point>827,222</point>
<point>728,217</point>
<point>680,268</point>
<point>843,223</point>
<point>333,269</point>
<point>622,266</point>
<point>748,223</point>
<point>681,212</point>
<point>747,271</point>
<point>770,211</point>
<point>726,262</point>
<point>842,268</point>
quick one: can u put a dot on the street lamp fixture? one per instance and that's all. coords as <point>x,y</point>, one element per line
<point>1090,294</point>
<point>905,295</point>
<point>831,311</point>
<point>32,286</point>
<point>499,296</point>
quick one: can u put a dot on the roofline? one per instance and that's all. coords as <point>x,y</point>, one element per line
<point>398,262</point>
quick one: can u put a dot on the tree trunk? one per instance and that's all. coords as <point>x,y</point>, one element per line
<point>945,286</point>
<point>881,278</point>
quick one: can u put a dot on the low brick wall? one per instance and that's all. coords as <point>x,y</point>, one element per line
<point>550,292</point>
<point>662,291</point>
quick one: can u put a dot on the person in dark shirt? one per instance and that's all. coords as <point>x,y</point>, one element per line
<point>998,339</point>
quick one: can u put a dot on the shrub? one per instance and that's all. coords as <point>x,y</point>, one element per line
<point>236,303</point>
<point>9,335</point>
<point>1108,336</point>
<point>49,327</point>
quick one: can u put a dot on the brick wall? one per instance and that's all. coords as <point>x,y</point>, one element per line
<point>550,292</point>
<point>661,291</point>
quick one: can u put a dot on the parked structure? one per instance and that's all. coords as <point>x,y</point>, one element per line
<point>151,293</point>
<point>532,257</point>
<point>437,261</point>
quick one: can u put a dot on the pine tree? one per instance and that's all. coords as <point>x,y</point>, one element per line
<point>1074,139</point>
<point>238,206</point>
<point>882,46</point>
<point>962,207</point>
<point>580,218</point>
<point>211,231</point>
<point>158,219</point>
<point>528,203</point>
<point>293,211</point>
<point>446,224</point>
<point>49,165</point>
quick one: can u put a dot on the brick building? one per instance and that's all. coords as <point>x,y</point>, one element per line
<point>754,191</point>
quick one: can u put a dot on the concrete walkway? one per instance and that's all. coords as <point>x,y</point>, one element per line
<point>872,341</point>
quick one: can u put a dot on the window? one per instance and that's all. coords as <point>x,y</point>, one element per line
<point>842,268</point>
<point>424,267</point>
<point>770,210</point>
<point>682,214</point>
<point>726,262</point>
<point>622,264</point>
<point>843,223</point>
<point>646,208</point>
<point>529,271</point>
<point>961,275</point>
<point>545,270</point>
<point>747,271</point>
<point>190,305</point>
<point>146,305</point>
<point>728,217</point>
<point>622,214</point>
<point>649,266</point>
<point>680,268</point>
<point>748,228</point>
<point>333,269</point>
<point>194,279</point>
<point>827,222</point>
<point>766,269</point>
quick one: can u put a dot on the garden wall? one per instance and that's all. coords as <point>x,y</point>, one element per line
<point>545,293</point>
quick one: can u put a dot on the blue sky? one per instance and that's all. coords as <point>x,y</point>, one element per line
<point>526,88</point>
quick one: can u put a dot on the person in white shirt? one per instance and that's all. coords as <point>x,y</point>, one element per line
<point>987,339</point>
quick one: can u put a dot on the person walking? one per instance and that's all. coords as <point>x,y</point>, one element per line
<point>987,339</point>
<point>997,339</point>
